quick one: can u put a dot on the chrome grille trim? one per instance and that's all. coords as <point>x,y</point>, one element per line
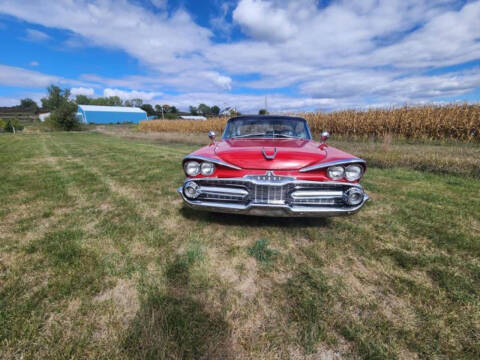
<point>321,194</point>
<point>271,190</point>
<point>223,191</point>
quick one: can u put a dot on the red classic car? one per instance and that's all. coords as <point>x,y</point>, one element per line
<point>270,166</point>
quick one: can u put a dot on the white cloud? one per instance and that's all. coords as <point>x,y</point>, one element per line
<point>159,4</point>
<point>20,77</point>
<point>264,21</point>
<point>341,54</point>
<point>36,35</point>
<point>247,103</point>
<point>154,38</point>
<point>220,23</point>
<point>187,80</point>
<point>82,91</point>
<point>33,63</point>
<point>9,101</point>
<point>128,95</point>
<point>15,76</point>
<point>15,100</point>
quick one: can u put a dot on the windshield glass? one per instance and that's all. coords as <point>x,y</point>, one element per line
<point>286,128</point>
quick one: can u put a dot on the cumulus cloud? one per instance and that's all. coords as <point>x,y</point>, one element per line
<point>341,53</point>
<point>187,80</point>
<point>82,91</point>
<point>264,21</point>
<point>119,24</point>
<point>128,95</point>
<point>248,103</point>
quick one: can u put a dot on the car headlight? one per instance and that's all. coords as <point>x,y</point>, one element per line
<point>335,172</point>
<point>353,172</point>
<point>192,168</point>
<point>207,168</point>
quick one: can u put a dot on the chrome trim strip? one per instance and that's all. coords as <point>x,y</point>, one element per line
<point>332,163</point>
<point>222,191</point>
<point>247,178</point>
<point>316,194</point>
<point>273,209</point>
<point>215,161</point>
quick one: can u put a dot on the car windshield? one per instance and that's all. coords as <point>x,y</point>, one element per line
<point>281,128</point>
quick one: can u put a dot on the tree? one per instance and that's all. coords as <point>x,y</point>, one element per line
<point>63,117</point>
<point>148,109</point>
<point>203,109</point>
<point>12,125</point>
<point>215,110</point>
<point>173,110</point>
<point>193,110</point>
<point>137,102</point>
<point>62,110</point>
<point>56,97</point>
<point>115,101</point>
<point>262,112</point>
<point>82,100</point>
<point>29,105</point>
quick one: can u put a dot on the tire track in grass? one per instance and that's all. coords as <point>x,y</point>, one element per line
<point>122,220</point>
<point>54,269</point>
<point>145,196</point>
<point>118,266</point>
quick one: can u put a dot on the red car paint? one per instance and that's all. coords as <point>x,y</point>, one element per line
<point>292,155</point>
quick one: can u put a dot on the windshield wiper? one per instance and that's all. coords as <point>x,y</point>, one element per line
<point>287,136</point>
<point>248,135</point>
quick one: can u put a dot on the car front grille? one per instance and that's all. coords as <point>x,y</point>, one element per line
<point>265,190</point>
<point>269,194</point>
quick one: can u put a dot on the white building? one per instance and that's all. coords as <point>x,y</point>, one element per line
<point>192,117</point>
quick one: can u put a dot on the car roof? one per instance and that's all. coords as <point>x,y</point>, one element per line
<point>263,117</point>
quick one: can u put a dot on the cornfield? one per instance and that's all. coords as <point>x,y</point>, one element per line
<point>455,121</point>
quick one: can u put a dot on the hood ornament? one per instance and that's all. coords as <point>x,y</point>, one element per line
<point>269,157</point>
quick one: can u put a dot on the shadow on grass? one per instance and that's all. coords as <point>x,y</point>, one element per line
<point>177,327</point>
<point>254,221</point>
<point>174,323</point>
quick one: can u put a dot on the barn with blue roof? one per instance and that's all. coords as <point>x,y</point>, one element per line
<point>95,114</point>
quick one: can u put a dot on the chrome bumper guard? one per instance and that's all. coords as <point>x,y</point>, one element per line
<point>271,195</point>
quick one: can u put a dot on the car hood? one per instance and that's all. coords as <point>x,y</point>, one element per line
<point>290,154</point>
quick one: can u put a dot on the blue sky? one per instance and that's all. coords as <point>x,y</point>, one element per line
<point>303,55</point>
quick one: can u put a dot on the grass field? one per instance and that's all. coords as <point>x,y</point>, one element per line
<point>98,259</point>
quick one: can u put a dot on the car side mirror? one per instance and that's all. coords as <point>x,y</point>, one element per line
<point>212,136</point>
<point>325,135</point>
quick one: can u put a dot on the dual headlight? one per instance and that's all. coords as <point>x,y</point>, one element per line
<point>193,168</point>
<point>351,172</point>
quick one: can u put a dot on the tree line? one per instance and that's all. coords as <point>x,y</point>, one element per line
<point>63,108</point>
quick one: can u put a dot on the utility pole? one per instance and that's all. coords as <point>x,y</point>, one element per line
<point>266,105</point>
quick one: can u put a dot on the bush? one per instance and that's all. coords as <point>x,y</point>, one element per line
<point>11,125</point>
<point>2,125</point>
<point>63,117</point>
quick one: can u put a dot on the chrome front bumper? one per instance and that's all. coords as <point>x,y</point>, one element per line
<point>273,196</point>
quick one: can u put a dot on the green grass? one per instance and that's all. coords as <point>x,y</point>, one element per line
<point>261,252</point>
<point>99,259</point>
